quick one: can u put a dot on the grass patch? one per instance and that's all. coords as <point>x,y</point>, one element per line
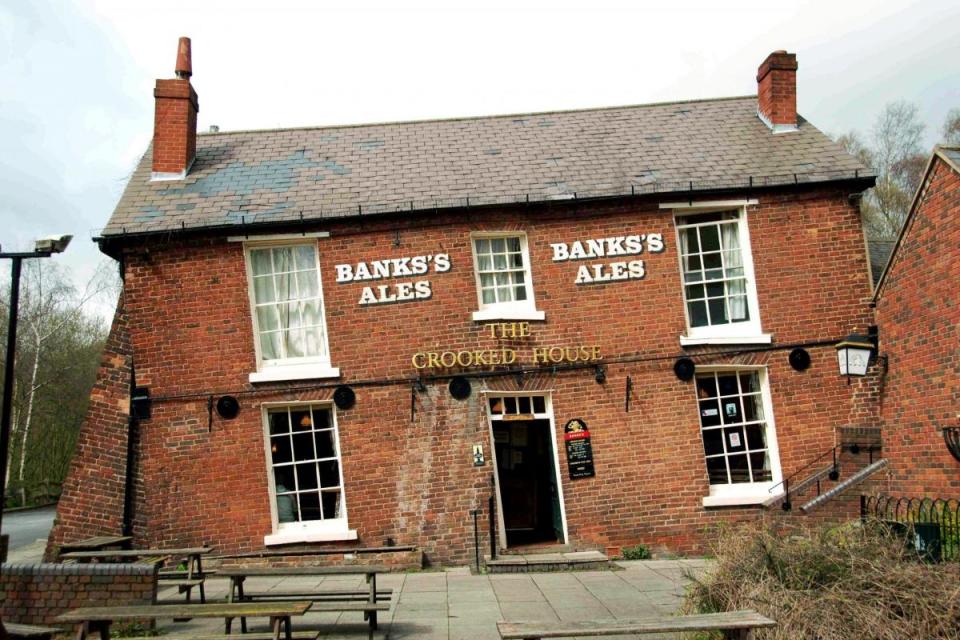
<point>638,552</point>
<point>854,582</point>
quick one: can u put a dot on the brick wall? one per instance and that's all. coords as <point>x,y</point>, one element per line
<point>918,316</point>
<point>413,480</point>
<point>93,492</point>
<point>38,593</point>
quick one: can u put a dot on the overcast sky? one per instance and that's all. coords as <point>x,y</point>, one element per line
<point>76,77</point>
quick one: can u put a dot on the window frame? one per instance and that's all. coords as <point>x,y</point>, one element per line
<point>313,530</point>
<point>300,368</point>
<point>744,493</point>
<point>514,310</point>
<point>748,332</point>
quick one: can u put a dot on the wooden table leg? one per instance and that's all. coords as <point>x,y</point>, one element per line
<point>289,632</point>
<point>82,629</point>
<point>203,596</point>
<point>372,599</point>
<point>275,624</point>
<point>243,619</point>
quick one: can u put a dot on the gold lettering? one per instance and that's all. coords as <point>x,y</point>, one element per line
<point>433,360</point>
<point>509,356</point>
<point>524,330</point>
<point>443,359</point>
<point>494,357</point>
<point>478,358</point>
<point>464,354</point>
<point>493,329</point>
<point>539,355</point>
<point>596,353</point>
<point>416,358</point>
<point>556,354</point>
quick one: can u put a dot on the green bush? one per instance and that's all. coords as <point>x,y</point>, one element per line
<point>638,552</point>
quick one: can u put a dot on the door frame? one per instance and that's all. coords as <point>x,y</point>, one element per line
<point>547,415</point>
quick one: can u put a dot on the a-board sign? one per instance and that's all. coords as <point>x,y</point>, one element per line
<point>576,436</point>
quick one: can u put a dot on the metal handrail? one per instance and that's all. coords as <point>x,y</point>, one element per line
<point>834,475</point>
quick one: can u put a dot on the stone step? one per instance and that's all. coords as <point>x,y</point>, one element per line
<point>543,562</point>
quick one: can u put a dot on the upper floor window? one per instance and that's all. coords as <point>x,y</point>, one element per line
<point>504,285</point>
<point>288,315</point>
<point>719,292</point>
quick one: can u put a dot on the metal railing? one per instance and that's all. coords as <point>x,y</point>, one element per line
<point>815,478</point>
<point>932,525</point>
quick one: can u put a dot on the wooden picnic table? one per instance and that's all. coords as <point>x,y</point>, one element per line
<point>96,543</point>
<point>99,619</point>
<point>185,580</point>
<point>238,574</point>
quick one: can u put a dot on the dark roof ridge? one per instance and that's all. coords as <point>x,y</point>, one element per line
<point>475,118</point>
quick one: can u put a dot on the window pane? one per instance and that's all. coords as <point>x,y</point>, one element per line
<point>709,413</point>
<point>267,318</point>
<point>303,446</point>
<point>739,472</point>
<point>499,262</point>
<point>752,408</point>
<point>693,243</point>
<point>287,508</point>
<point>283,479</point>
<point>304,258</point>
<point>489,296</point>
<point>709,238</point>
<point>694,263</point>
<point>279,422</point>
<point>695,292</point>
<point>738,309</point>
<point>483,246</point>
<point>484,263</point>
<point>516,261</point>
<point>712,442</point>
<point>524,404</point>
<point>520,293</point>
<point>293,343</point>
<point>321,418</point>
<point>513,244</point>
<point>718,311</point>
<point>706,386</point>
<point>712,261</point>
<point>728,384</point>
<point>286,287</point>
<point>301,419</point>
<point>717,470</point>
<point>280,449</point>
<point>331,504</point>
<point>326,446</point>
<point>698,314</point>
<point>755,437</point>
<point>760,462</point>
<point>270,346</point>
<point>498,245</point>
<point>749,383</point>
<point>283,259</point>
<point>734,440</point>
<point>310,506</point>
<point>307,284</point>
<point>329,474</point>
<point>260,261</point>
<point>732,411</point>
<point>714,289</point>
<point>263,289</point>
<point>539,404</point>
<point>307,476</point>
<point>511,404</point>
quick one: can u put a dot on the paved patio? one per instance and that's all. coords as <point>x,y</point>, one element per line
<point>453,604</point>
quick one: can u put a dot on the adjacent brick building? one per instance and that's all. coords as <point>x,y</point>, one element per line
<point>919,319</point>
<point>491,290</point>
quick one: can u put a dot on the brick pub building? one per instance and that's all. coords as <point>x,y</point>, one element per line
<point>352,337</point>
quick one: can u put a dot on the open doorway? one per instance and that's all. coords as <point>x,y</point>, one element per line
<point>526,466</point>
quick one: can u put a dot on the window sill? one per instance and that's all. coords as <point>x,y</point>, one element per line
<point>292,537</point>
<point>508,314</point>
<point>762,338</point>
<point>744,500</point>
<point>294,372</point>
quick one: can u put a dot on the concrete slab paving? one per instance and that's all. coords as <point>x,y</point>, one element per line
<point>455,605</point>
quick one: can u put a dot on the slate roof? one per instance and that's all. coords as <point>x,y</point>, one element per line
<point>879,253</point>
<point>280,175</point>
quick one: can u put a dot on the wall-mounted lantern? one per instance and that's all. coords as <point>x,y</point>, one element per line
<point>855,353</point>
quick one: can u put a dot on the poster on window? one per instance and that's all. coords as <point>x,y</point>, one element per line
<point>576,437</point>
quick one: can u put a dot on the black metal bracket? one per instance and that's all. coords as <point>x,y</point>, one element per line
<point>951,435</point>
<point>626,403</point>
<point>209,413</point>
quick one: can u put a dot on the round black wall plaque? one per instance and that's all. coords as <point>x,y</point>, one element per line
<point>684,369</point>
<point>800,359</point>
<point>344,397</point>
<point>460,388</point>
<point>228,407</point>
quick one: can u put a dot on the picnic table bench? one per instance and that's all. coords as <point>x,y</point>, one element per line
<point>184,580</point>
<point>29,631</point>
<point>96,543</point>
<point>737,625</point>
<point>369,601</point>
<point>99,619</point>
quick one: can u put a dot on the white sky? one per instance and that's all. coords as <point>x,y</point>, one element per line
<point>76,78</point>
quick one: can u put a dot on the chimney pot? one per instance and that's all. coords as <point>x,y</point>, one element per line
<point>777,91</point>
<point>184,68</point>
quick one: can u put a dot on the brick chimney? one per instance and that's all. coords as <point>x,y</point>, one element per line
<point>175,121</point>
<point>777,91</point>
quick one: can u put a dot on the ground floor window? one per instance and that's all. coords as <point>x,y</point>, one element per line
<point>739,442</point>
<point>306,480</point>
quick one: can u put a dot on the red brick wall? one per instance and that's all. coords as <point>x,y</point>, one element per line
<point>414,481</point>
<point>918,316</point>
<point>777,88</point>
<point>175,126</point>
<point>93,491</point>
<point>38,593</point>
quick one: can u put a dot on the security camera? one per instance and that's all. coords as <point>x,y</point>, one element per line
<point>52,244</point>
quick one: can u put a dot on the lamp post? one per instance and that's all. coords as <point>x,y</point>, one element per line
<point>42,249</point>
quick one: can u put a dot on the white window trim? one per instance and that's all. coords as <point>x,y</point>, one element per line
<point>749,332</point>
<point>524,310</point>
<point>746,493</point>
<point>316,530</point>
<point>313,367</point>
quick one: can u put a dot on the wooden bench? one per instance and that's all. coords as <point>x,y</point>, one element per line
<point>29,631</point>
<point>345,595</point>
<point>96,543</point>
<point>369,601</point>
<point>295,635</point>
<point>738,625</point>
<point>99,619</point>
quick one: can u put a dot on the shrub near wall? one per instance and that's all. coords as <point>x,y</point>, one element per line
<point>38,593</point>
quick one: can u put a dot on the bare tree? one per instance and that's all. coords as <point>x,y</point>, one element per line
<point>951,127</point>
